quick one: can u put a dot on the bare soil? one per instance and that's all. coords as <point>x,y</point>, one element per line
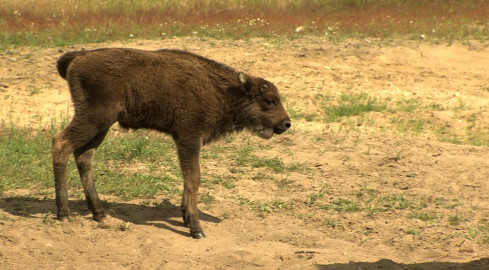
<point>370,159</point>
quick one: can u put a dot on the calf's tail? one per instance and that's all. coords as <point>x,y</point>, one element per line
<point>64,62</point>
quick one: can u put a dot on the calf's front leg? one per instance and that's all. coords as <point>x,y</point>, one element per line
<point>188,155</point>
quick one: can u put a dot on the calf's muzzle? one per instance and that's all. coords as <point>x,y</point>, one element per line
<point>283,126</point>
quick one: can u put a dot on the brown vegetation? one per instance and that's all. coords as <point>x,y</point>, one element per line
<point>56,22</point>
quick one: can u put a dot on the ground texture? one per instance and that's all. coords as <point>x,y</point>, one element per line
<point>366,191</point>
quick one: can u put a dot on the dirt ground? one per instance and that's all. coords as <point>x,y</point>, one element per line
<point>448,179</point>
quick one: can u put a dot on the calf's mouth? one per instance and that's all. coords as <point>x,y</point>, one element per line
<point>265,133</point>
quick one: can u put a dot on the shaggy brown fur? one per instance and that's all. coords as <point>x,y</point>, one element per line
<point>192,98</point>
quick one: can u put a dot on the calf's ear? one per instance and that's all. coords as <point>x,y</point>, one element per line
<point>245,81</point>
<point>243,78</point>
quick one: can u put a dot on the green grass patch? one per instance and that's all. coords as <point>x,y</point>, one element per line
<point>285,183</point>
<point>454,220</point>
<point>129,185</point>
<point>409,126</point>
<point>329,222</point>
<point>276,205</point>
<point>215,151</point>
<point>245,156</point>
<point>311,199</point>
<point>372,201</point>
<point>206,198</point>
<point>446,134</point>
<point>133,165</point>
<point>412,232</point>
<point>25,160</point>
<point>460,129</point>
<point>343,205</point>
<point>407,105</point>
<point>298,114</point>
<point>222,181</point>
<point>353,105</point>
<point>424,216</point>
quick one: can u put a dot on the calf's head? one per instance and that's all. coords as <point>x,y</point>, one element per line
<point>264,113</point>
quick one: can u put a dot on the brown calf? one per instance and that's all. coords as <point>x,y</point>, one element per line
<point>192,98</point>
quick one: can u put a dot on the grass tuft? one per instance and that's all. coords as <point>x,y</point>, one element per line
<point>353,105</point>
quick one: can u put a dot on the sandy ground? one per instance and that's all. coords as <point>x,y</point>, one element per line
<point>370,159</point>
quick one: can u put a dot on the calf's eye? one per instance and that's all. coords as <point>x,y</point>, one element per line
<point>270,102</point>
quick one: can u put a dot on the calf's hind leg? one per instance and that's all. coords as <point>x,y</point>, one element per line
<point>76,135</point>
<point>62,148</point>
<point>83,159</point>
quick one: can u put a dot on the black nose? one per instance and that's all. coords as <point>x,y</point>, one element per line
<point>283,126</point>
<point>287,124</point>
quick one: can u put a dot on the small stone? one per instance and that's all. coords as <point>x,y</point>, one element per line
<point>412,174</point>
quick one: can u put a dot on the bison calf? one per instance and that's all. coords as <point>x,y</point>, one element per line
<point>194,99</point>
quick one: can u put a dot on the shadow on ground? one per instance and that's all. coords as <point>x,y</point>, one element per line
<point>482,264</point>
<point>164,215</point>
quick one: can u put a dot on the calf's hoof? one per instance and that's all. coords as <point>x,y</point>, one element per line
<point>99,217</point>
<point>197,235</point>
<point>63,216</point>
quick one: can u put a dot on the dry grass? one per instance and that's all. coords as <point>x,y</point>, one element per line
<point>73,21</point>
